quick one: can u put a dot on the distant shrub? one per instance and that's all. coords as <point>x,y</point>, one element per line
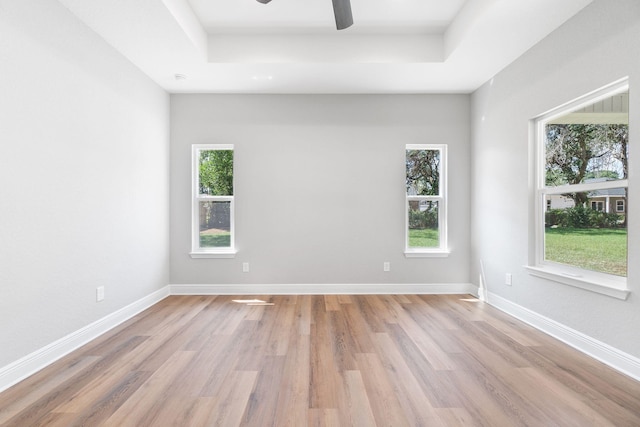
<point>556,217</point>
<point>423,219</point>
<point>581,217</point>
<point>605,220</point>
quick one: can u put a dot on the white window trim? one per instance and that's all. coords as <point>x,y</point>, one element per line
<point>618,204</point>
<point>441,251</point>
<point>602,283</point>
<point>196,250</point>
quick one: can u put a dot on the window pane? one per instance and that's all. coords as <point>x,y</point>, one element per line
<point>423,172</point>
<point>590,144</point>
<point>215,224</point>
<point>586,230</point>
<point>423,224</point>
<point>216,172</point>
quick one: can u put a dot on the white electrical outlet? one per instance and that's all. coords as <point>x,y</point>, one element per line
<point>508,279</point>
<point>386,266</point>
<point>245,267</point>
<point>99,293</point>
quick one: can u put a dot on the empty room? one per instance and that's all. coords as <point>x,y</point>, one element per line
<point>319,213</point>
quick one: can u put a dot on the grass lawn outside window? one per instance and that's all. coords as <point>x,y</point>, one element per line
<point>597,249</point>
<point>424,238</point>
<point>216,240</point>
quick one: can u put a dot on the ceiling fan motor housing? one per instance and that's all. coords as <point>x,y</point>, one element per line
<point>341,10</point>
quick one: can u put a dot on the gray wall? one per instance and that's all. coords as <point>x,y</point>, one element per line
<point>319,185</point>
<point>600,45</point>
<point>83,178</point>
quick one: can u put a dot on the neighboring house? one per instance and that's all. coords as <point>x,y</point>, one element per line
<point>611,200</point>
<point>558,201</point>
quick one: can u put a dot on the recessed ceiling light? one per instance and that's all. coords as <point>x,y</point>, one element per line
<point>262,77</point>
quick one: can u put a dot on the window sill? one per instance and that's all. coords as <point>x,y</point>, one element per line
<point>231,253</point>
<point>439,253</point>
<point>595,283</point>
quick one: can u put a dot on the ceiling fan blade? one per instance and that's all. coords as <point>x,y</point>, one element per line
<point>342,11</point>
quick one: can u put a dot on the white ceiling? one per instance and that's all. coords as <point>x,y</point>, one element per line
<point>292,46</point>
<point>306,15</point>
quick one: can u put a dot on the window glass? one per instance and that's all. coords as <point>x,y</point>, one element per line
<point>215,224</point>
<point>216,172</point>
<point>423,224</point>
<point>589,238</point>
<point>423,172</point>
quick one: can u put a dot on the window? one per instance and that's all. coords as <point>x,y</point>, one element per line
<point>213,201</point>
<point>582,158</point>
<point>426,200</point>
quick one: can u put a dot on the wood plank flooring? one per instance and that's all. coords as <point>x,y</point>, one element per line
<point>384,360</point>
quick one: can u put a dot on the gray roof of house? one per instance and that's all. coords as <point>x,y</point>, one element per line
<point>620,192</point>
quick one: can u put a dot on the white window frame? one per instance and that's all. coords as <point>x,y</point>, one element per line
<point>603,283</point>
<point>620,206</point>
<point>196,250</point>
<point>442,250</point>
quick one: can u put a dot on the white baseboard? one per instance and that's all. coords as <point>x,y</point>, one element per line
<point>324,289</point>
<point>32,363</point>
<point>618,360</point>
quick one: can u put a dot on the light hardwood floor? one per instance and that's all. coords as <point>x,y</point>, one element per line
<point>324,361</point>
